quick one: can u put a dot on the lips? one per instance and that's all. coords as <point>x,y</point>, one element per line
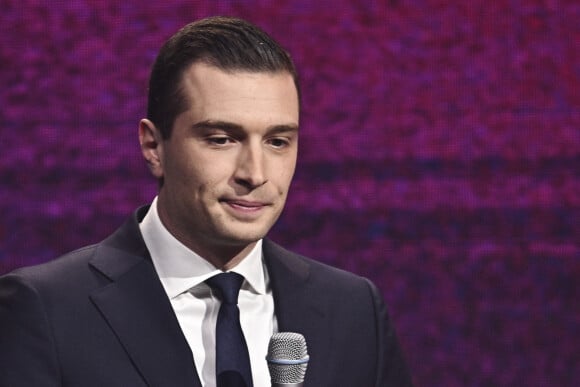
<point>245,205</point>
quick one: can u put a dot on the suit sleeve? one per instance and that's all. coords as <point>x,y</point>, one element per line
<point>392,368</point>
<point>27,351</point>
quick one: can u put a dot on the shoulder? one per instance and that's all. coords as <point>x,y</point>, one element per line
<point>302,264</point>
<point>55,271</point>
<point>52,288</point>
<point>89,263</point>
<point>315,273</point>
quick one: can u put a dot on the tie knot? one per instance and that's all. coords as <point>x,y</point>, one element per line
<point>227,286</point>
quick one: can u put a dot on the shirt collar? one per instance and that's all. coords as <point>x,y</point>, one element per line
<point>181,269</point>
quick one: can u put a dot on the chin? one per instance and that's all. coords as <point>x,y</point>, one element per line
<point>244,238</point>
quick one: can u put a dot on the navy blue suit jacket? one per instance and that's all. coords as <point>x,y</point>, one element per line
<point>99,317</point>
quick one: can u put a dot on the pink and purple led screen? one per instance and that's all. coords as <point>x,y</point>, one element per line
<point>439,156</point>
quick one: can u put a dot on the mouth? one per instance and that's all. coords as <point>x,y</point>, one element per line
<point>245,205</point>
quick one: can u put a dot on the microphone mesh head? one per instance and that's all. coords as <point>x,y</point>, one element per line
<point>287,346</point>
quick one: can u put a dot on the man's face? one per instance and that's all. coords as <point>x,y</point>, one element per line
<point>229,161</point>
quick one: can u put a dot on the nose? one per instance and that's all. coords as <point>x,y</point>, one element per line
<point>250,166</point>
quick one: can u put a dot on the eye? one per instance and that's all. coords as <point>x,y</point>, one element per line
<point>219,140</point>
<point>279,142</point>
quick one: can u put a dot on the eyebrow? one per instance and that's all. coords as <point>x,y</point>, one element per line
<point>237,128</point>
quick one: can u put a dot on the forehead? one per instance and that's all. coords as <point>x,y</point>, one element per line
<point>212,91</point>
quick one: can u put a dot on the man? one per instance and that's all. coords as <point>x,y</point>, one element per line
<point>139,308</point>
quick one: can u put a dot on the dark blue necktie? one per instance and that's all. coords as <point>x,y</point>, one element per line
<point>232,359</point>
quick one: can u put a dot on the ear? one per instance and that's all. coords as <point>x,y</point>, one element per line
<point>151,147</point>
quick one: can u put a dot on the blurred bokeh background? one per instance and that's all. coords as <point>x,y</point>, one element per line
<point>439,156</point>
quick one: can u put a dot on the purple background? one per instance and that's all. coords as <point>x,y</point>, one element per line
<point>440,156</point>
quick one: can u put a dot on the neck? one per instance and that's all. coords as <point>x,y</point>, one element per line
<point>226,257</point>
<point>223,256</point>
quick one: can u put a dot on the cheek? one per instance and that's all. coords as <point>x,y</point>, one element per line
<point>205,179</point>
<point>285,173</point>
<point>196,168</point>
<point>283,181</point>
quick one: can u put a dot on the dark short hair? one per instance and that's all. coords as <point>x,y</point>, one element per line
<point>229,44</point>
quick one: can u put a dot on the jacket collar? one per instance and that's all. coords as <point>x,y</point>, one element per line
<point>300,306</point>
<point>136,308</point>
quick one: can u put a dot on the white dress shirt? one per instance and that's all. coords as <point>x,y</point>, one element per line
<point>183,272</point>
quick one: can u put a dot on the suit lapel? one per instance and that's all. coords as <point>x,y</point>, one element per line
<point>136,308</point>
<point>299,308</point>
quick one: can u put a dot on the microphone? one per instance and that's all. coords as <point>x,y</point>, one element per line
<point>287,359</point>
